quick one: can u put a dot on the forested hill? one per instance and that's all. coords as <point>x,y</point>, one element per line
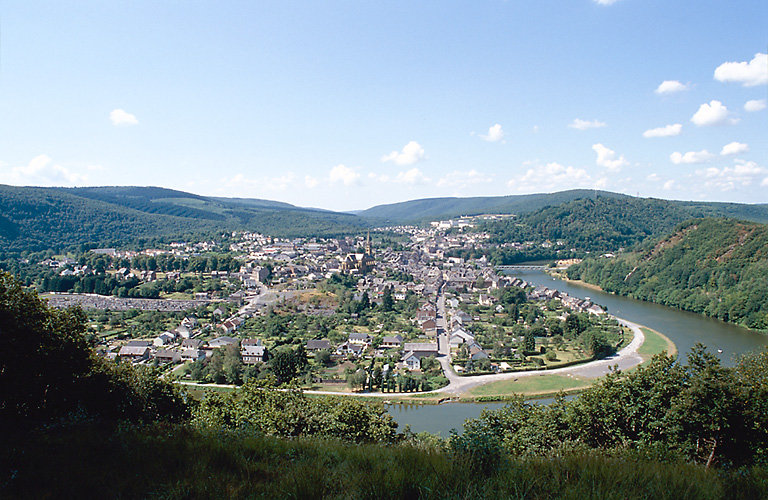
<point>41,218</point>
<point>718,267</point>
<point>601,224</point>
<point>429,209</point>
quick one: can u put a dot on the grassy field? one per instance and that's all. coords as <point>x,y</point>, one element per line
<point>655,343</point>
<point>530,386</point>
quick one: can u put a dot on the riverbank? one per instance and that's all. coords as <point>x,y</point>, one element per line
<point>560,274</point>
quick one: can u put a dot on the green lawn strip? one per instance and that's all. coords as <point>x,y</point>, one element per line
<point>655,343</point>
<point>536,384</point>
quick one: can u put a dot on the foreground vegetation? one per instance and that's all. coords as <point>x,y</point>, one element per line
<point>171,461</point>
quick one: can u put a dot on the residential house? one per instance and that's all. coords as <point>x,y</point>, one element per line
<point>429,328</point>
<point>222,342</point>
<point>134,353</point>
<point>362,339</point>
<point>392,342</point>
<point>460,336</point>
<point>253,353</point>
<point>167,356</point>
<point>318,345</point>
<point>192,354</point>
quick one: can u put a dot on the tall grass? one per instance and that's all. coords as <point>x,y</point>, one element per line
<point>165,461</point>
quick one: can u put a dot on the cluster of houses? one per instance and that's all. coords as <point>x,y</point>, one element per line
<point>575,303</point>
<point>189,349</point>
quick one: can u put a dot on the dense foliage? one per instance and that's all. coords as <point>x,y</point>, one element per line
<point>49,374</point>
<point>258,407</point>
<point>717,267</point>
<point>701,412</point>
<point>599,224</point>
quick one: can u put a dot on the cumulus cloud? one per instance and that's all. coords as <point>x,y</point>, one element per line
<point>463,179</point>
<point>343,174</point>
<point>550,177</point>
<point>410,154</point>
<point>765,182</point>
<point>742,173</point>
<point>667,131</point>
<point>713,113</point>
<point>310,182</point>
<point>608,158</point>
<point>412,176</point>
<point>749,74</point>
<point>670,87</point>
<point>734,148</point>
<point>755,105</point>
<point>120,117</point>
<point>580,124</point>
<point>495,134</point>
<point>691,157</point>
<point>668,185</point>
<point>42,171</point>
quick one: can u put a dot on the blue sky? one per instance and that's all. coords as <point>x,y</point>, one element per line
<point>348,104</point>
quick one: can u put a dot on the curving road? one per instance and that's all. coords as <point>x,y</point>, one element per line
<point>626,358</point>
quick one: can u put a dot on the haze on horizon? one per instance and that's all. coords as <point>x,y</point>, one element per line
<point>348,105</point>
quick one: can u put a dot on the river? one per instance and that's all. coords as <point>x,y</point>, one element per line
<point>683,328</point>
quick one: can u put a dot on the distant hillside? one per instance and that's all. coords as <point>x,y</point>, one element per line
<point>428,209</point>
<point>442,208</point>
<point>41,218</point>
<point>718,267</point>
<point>608,224</point>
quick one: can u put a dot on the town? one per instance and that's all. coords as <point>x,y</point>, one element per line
<point>394,312</point>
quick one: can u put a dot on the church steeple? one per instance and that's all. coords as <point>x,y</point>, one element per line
<point>368,247</point>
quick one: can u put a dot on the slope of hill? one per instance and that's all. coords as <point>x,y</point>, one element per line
<point>41,218</point>
<point>607,224</point>
<point>440,208</point>
<point>416,211</point>
<point>718,267</point>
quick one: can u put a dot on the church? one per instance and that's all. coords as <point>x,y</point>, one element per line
<point>359,263</point>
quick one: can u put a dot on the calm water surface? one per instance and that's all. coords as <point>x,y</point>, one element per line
<point>684,328</point>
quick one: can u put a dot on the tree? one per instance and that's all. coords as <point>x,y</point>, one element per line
<point>530,341</point>
<point>53,376</point>
<point>387,302</point>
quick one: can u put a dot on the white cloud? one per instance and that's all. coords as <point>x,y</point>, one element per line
<point>734,148</point>
<point>552,176</point>
<point>755,105</point>
<point>580,124</point>
<point>607,158</point>
<point>42,171</point>
<point>495,134</point>
<point>411,153</point>
<point>691,157</point>
<point>749,74</point>
<point>765,182</point>
<point>310,182</point>
<point>670,87</point>
<point>668,185</point>
<point>742,173</point>
<point>345,175</point>
<point>120,117</point>
<point>654,177</point>
<point>412,176</point>
<point>463,179</point>
<point>667,131</point>
<point>713,113</point>
<point>606,2</point>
